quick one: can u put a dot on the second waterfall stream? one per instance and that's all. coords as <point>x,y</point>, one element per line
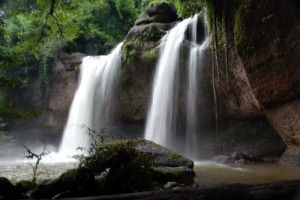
<point>164,119</point>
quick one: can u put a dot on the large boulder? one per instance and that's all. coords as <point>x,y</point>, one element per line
<point>8,190</point>
<point>163,156</point>
<point>117,167</point>
<point>158,13</point>
<point>137,165</point>
<point>162,12</point>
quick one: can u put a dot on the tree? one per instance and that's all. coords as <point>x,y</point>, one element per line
<point>39,30</point>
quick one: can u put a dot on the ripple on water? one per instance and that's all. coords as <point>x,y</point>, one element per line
<point>210,173</point>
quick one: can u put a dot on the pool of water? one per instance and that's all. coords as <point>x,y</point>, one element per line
<point>209,173</point>
<point>21,170</point>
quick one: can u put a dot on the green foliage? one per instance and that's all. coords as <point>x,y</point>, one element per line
<point>8,62</point>
<point>129,55</point>
<point>129,169</point>
<point>150,56</point>
<point>39,30</point>
<point>188,8</point>
<point>184,8</point>
<point>156,2</point>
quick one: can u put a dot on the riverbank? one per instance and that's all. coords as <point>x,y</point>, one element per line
<point>287,190</point>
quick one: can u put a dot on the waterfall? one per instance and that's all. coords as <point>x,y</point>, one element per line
<point>91,104</point>
<point>196,61</point>
<point>162,124</point>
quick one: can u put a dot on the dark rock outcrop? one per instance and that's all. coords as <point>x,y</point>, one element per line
<point>262,75</point>
<point>8,190</point>
<point>54,99</point>
<point>167,164</point>
<point>182,175</point>
<point>158,13</point>
<point>273,64</point>
<point>162,12</point>
<point>237,158</point>
<point>73,183</point>
<point>25,186</point>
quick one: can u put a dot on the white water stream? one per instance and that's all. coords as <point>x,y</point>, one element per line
<point>91,104</point>
<point>196,62</point>
<point>162,120</point>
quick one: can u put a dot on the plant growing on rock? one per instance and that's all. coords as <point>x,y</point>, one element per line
<point>126,168</point>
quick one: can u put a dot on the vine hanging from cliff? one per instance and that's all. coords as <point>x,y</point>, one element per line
<point>216,12</point>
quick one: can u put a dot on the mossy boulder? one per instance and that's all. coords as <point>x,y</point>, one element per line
<point>75,182</point>
<point>125,166</point>
<point>162,155</point>
<point>122,166</point>
<point>25,186</point>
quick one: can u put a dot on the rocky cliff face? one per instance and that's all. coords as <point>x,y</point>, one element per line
<point>263,52</point>
<point>54,100</point>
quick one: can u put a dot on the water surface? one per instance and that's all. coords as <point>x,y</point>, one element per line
<point>209,173</point>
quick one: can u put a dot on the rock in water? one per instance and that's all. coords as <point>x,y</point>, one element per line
<point>163,156</point>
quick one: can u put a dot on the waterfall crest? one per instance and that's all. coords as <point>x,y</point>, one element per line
<point>91,104</point>
<point>163,118</point>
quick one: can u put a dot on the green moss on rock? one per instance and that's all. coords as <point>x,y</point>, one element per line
<point>150,56</point>
<point>243,43</point>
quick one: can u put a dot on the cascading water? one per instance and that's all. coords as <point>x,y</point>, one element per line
<point>92,101</point>
<point>196,61</point>
<point>162,122</point>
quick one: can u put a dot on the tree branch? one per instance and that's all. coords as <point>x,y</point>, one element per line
<point>50,13</point>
